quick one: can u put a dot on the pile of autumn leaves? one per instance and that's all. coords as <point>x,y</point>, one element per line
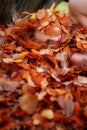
<point>40,88</point>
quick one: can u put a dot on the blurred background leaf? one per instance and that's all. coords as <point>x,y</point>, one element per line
<point>62,7</point>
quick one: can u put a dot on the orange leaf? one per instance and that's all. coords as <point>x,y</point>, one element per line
<point>66,21</point>
<point>28,103</point>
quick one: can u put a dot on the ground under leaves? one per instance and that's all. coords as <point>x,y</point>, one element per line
<point>42,87</point>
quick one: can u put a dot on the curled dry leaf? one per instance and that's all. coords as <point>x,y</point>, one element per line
<point>44,83</point>
<point>10,47</point>
<point>16,58</point>
<point>66,21</point>
<point>82,80</point>
<point>26,75</point>
<point>81,41</point>
<point>60,91</point>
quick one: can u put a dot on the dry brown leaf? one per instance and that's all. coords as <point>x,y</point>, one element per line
<point>66,21</point>
<point>61,101</point>
<point>69,107</point>
<point>28,103</point>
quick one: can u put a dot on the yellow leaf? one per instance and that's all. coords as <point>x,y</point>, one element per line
<point>23,54</point>
<point>52,7</point>
<point>28,103</point>
<point>62,7</point>
<point>60,91</point>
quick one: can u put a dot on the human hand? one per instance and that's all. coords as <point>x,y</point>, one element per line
<point>78,11</point>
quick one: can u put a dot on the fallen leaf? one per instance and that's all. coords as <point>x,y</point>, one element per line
<point>28,103</point>
<point>69,107</point>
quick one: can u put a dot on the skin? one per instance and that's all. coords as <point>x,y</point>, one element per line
<point>79,59</point>
<point>78,11</point>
